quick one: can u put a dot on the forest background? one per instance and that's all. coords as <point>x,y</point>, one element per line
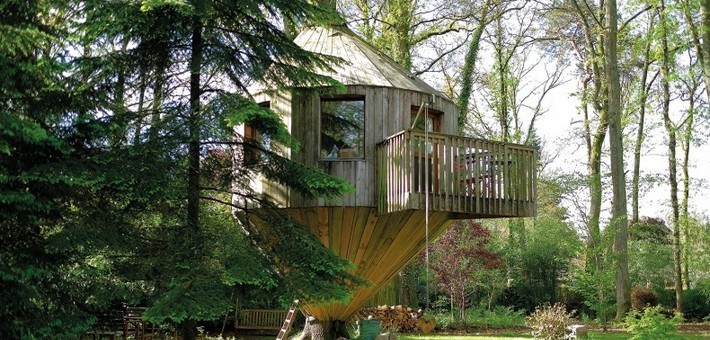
<point>121,175</point>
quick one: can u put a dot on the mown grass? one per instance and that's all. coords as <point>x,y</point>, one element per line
<point>509,336</point>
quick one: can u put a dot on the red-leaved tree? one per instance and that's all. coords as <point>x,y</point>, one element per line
<point>456,259</point>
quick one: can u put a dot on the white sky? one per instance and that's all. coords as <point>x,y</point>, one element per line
<point>557,126</point>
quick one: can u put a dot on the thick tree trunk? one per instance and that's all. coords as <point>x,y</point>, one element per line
<point>616,143</point>
<point>323,330</point>
<point>189,329</point>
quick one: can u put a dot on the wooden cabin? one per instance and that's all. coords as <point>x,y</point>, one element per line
<point>393,137</point>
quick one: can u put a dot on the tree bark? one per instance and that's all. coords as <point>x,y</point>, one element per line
<point>323,330</point>
<point>502,79</point>
<point>672,162</point>
<point>616,143</point>
<point>685,216</point>
<point>138,126</point>
<point>705,53</point>
<point>700,40</point>
<point>158,91</point>
<point>642,116</point>
<point>594,67</point>
<point>469,66</point>
<point>193,170</point>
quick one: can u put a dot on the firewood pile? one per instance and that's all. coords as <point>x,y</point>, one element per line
<point>394,318</point>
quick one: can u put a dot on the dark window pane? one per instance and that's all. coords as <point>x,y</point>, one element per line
<point>342,128</point>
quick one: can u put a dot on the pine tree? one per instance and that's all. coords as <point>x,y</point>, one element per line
<point>116,162</point>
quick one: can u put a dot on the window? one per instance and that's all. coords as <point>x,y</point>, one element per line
<point>255,141</point>
<point>431,119</point>
<point>342,123</point>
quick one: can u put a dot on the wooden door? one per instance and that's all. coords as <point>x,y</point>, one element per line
<point>426,157</point>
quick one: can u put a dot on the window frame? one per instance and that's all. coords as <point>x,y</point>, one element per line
<point>343,98</point>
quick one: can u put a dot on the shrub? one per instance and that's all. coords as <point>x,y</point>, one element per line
<point>642,298</point>
<point>666,297</point>
<point>652,324</point>
<point>549,322</point>
<point>696,305</point>
<point>499,317</point>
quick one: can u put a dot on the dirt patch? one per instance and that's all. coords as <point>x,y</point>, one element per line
<point>691,327</point>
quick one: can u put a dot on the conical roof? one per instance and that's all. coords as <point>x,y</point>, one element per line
<point>362,64</point>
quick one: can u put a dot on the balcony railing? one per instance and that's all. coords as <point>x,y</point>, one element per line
<point>475,177</point>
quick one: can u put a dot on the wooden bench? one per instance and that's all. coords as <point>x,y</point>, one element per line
<point>260,319</point>
<point>121,324</point>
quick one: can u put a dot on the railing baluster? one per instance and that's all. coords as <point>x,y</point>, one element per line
<point>466,175</point>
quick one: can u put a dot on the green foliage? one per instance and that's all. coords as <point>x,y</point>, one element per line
<point>93,162</point>
<point>650,261</point>
<point>652,324</point>
<point>549,322</point>
<point>240,110</point>
<point>651,230</point>
<point>308,181</point>
<point>498,318</point>
<point>597,288</point>
<point>696,304</point>
<point>307,270</point>
<point>468,68</point>
<point>537,265</point>
<point>481,317</point>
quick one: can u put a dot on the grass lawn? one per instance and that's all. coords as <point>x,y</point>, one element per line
<point>592,335</point>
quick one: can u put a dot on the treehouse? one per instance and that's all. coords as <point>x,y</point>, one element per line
<point>393,137</point>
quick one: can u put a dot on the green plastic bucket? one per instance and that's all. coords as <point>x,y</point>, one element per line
<point>368,329</point>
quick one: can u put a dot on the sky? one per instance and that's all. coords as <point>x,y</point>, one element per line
<point>557,129</point>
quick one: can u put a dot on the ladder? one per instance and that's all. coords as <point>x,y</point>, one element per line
<point>289,319</point>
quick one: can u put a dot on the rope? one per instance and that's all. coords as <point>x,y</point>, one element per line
<point>426,197</point>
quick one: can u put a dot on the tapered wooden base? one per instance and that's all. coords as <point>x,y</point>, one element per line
<point>379,245</point>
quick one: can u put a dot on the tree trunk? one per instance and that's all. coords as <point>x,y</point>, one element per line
<point>642,115</point>
<point>595,192</point>
<point>502,70</point>
<point>142,75</point>
<point>594,68</point>
<point>158,91</point>
<point>193,170</point>
<point>323,330</point>
<point>189,329</point>
<point>469,66</point>
<point>685,217</point>
<point>700,40</point>
<point>616,144</point>
<point>705,53</point>
<point>672,163</point>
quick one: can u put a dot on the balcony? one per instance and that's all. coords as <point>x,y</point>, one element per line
<point>473,178</point>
